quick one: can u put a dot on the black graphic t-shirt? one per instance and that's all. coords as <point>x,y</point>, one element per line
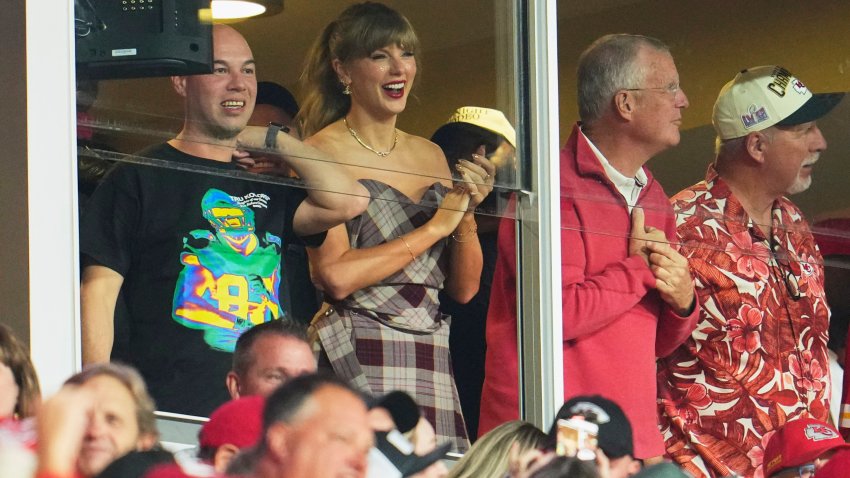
<point>201,259</point>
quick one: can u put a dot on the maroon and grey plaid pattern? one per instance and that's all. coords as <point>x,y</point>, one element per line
<point>390,336</point>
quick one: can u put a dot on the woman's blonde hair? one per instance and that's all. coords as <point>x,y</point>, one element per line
<point>488,457</point>
<point>356,33</point>
<point>14,355</point>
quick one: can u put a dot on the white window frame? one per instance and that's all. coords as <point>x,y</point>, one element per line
<point>52,191</point>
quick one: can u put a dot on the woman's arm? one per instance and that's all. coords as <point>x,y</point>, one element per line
<point>333,194</point>
<point>465,258</point>
<point>340,270</point>
<point>465,261</point>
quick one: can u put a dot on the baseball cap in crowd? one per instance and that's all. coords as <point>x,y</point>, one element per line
<point>489,119</point>
<point>270,93</point>
<point>393,456</point>
<point>401,406</point>
<point>615,431</point>
<point>837,467</point>
<point>765,96</point>
<point>238,422</point>
<point>799,442</point>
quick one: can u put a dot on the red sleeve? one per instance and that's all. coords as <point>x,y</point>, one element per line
<point>674,329</point>
<point>844,413</point>
<point>590,302</point>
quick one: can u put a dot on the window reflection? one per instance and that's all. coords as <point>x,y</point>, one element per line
<point>710,44</point>
<point>467,60</point>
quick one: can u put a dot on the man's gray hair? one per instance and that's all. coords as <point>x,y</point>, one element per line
<point>728,148</point>
<point>608,65</point>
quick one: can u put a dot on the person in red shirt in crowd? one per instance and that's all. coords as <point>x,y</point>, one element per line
<point>628,296</point>
<point>20,397</point>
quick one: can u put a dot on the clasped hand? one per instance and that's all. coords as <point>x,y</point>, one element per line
<point>672,274</point>
<point>477,177</point>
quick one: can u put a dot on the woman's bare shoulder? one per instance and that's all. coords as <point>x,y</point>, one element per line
<point>425,151</point>
<point>327,139</point>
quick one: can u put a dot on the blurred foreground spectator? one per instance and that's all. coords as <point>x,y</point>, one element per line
<point>488,457</point>
<point>101,414</point>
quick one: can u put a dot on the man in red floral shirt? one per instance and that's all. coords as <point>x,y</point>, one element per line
<point>758,356</point>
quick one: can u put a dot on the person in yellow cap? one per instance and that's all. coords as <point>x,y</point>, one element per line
<point>486,132</point>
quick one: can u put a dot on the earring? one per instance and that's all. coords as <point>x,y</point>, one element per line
<point>347,90</point>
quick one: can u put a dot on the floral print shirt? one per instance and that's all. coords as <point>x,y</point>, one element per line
<point>758,356</point>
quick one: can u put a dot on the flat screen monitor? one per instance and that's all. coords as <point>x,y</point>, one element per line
<point>142,38</point>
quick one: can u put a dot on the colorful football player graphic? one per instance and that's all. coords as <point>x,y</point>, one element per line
<point>230,277</point>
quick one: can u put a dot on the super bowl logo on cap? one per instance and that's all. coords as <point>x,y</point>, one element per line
<point>817,432</point>
<point>799,87</point>
<point>754,116</point>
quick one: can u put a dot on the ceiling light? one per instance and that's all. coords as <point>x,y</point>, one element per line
<point>236,9</point>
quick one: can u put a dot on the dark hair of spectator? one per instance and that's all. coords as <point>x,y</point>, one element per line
<point>15,355</point>
<point>244,462</point>
<point>460,140</point>
<point>285,402</point>
<point>270,93</point>
<point>567,467</point>
<point>242,356</point>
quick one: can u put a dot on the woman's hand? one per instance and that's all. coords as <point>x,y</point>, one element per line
<point>478,176</point>
<point>451,210</point>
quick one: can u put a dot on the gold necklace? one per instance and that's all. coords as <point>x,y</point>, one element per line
<point>382,154</point>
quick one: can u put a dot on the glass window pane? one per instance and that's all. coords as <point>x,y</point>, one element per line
<point>733,261</point>
<point>467,59</point>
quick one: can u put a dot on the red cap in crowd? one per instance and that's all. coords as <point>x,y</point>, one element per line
<point>238,422</point>
<point>837,467</point>
<point>799,442</point>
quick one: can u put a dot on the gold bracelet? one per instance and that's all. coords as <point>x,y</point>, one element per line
<point>457,235</point>
<point>408,248</point>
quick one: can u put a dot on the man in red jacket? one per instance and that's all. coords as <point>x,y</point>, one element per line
<point>628,296</point>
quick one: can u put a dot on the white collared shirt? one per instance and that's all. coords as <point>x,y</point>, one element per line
<point>629,187</point>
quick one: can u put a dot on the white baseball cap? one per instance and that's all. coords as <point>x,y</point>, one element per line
<point>766,96</point>
<point>487,118</point>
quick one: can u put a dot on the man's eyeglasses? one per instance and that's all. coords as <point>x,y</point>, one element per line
<point>671,89</point>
